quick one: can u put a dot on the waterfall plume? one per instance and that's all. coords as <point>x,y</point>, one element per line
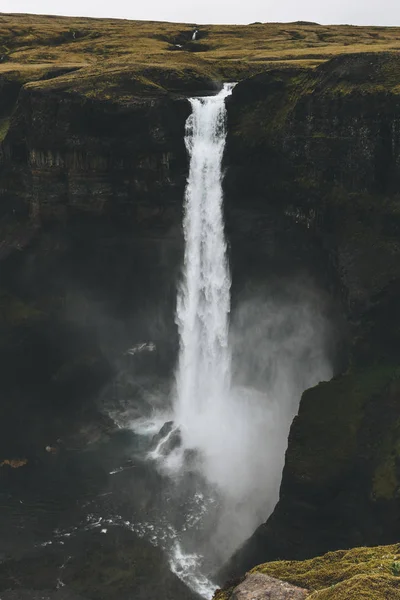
<point>238,384</point>
<point>239,377</point>
<point>203,374</point>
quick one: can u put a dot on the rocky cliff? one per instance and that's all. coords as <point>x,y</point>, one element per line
<point>324,148</point>
<point>92,173</point>
<point>91,203</point>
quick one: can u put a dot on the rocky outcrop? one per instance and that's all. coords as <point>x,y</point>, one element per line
<point>370,573</point>
<point>258,586</point>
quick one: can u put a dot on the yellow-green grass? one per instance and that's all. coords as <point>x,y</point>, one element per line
<point>31,44</point>
<point>4,125</point>
<point>357,574</point>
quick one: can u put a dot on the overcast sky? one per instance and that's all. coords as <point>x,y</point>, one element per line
<point>360,12</point>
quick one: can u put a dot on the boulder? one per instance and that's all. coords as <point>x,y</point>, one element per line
<point>167,439</point>
<point>258,586</point>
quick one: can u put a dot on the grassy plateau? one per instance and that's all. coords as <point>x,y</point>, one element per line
<point>93,56</point>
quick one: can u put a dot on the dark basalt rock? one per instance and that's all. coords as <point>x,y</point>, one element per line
<point>91,198</point>
<point>170,438</point>
<point>327,157</point>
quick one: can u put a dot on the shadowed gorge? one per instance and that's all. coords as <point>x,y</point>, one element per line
<point>199,285</point>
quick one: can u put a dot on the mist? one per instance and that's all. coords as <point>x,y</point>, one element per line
<point>207,426</point>
<point>223,481</point>
<point>280,347</point>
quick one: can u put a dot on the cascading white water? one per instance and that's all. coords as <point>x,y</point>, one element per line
<point>236,392</point>
<point>203,375</point>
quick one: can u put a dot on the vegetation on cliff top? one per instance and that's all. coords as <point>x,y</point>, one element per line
<point>362,573</point>
<point>34,47</point>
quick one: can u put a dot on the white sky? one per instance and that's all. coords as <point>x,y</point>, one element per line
<point>359,12</point>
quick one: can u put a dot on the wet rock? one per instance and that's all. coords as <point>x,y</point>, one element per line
<point>258,586</point>
<point>173,442</point>
<point>164,431</point>
<point>167,439</point>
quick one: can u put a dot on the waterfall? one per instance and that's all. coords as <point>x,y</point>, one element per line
<point>203,306</point>
<point>238,380</point>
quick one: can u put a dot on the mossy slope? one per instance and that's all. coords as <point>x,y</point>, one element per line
<point>357,574</point>
<point>30,45</point>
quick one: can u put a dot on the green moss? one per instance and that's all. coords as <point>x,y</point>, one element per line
<point>287,93</point>
<point>386,478</point>
<point>14,311</point>
<point>357,574</point>
<point>385,483</point>
<point>4,127</point>
<point>324,437</point>
<point>124,84</point>
<point>223,594</point>
<point>377,77</point>
<point>362,587</point>
<point>335,567</point>
<point>270,100</point>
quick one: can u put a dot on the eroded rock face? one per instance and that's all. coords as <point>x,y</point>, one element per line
<point>65,154</point>
<point>324,148</point>
<point>258,586</point>
<point>91,195</point>
<point>327,157</point>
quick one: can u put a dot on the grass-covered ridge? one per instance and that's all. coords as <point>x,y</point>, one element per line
<point>357,574</point>
<point>32,47</point>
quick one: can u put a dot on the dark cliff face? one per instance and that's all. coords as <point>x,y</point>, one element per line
<point>323,148</point>
<point>91,212</point>
<point>64,152</point>
<point>90,218</point>
<point>91,195</point>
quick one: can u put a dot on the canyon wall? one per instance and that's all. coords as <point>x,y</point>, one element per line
<point>324,149</point>
<point>90,219</point>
